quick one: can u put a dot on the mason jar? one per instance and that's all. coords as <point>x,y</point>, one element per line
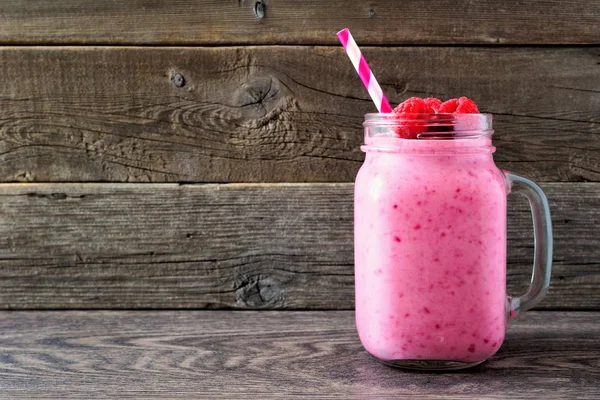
<point>430,242</point>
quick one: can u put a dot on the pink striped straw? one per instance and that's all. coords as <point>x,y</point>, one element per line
<point>365,73</point>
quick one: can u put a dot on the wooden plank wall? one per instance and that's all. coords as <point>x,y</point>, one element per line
<point>200,153</point>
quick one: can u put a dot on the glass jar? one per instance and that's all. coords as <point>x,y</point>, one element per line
<point>430,242</point>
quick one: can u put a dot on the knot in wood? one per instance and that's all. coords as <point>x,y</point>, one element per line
<point>259,96</point>
<point>259,292</point>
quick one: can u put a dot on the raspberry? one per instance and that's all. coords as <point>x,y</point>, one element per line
<point>412,108</point>
<point>462,105</point>
<point>466,106</point>
<point>408,130</point>
<point>413,105</point>
<point>433,103</point>
<point>415,108</point>
<point>448,107</point>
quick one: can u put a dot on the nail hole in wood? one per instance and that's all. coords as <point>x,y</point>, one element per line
<point>260,9</point>
<point>178,80</point>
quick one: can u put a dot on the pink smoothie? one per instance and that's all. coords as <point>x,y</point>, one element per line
<point>430,250</point>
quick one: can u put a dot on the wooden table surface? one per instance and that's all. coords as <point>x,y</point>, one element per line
<point>274,355</point>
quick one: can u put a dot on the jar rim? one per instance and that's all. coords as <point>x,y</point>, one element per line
<point>433,126</point>
<point>428,117</point>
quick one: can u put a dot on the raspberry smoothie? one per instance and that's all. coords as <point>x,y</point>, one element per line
<point>430,245</point>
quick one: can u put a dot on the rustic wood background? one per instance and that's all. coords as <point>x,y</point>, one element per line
<point>200,154</point>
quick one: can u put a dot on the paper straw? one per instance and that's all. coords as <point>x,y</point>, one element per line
<point>365,73</point>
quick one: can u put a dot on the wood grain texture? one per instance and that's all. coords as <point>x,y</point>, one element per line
<point>274,355</point>
<point>293,22</point>
<point>239,245</point>
<point>278,114</point>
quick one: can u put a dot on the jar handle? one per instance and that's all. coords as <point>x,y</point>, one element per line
<point>542,235</point>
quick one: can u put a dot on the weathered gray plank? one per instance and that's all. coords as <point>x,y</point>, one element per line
<point>274,355</point>
<point>281,114</point>
<point>238,245</point>
<point>293,22</point>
